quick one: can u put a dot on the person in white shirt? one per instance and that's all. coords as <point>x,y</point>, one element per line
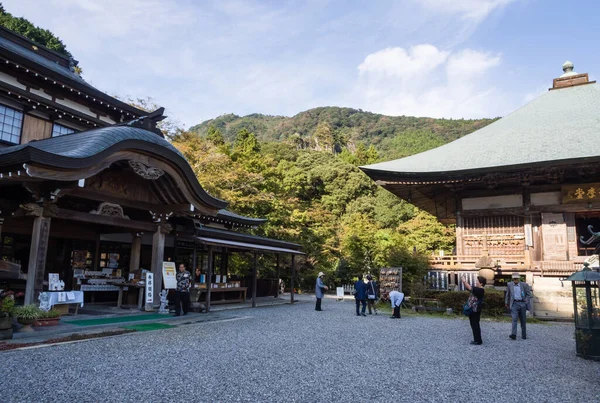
<point>396,298</point>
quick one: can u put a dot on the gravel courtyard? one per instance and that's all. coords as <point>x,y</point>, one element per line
<point>292,353</point>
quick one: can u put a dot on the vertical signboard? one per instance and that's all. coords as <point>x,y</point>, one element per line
<point>149,290</point>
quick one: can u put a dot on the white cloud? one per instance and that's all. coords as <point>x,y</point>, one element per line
<point>467,9</point>
<point>425,81</point>
<point>397,62</point>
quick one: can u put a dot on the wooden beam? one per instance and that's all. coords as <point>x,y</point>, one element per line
<point>136,249</point>
<point>292,279</point>
<point>277,271</point>
<point>209,271</point>
<point>105,220</point>
<point>556,208</point>
<point>158,256</point>
<point>37,259</point>
<point>254,282</point>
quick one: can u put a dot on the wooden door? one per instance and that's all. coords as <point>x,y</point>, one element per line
<point>554,236</point>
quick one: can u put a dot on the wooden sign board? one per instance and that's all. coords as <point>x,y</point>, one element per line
<point>169,275</point>
<point>554,236</point>
<point>584,193</point>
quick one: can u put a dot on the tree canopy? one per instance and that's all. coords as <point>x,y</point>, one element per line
<point>39,35</point>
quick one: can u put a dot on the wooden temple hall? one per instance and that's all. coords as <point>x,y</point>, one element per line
<point>523,192</point>
<point>91,190</point>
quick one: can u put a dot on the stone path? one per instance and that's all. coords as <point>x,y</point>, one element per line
<point>294,354</point>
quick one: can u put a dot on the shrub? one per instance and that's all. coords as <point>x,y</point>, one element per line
<point>27,312</point>
<point>493,304</point>
<point>6,306</point>
<point>52,313</point>
<point>454,300</point>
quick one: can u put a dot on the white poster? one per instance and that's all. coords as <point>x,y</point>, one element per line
<point>339,292</point>
<point>169,275</point>
<point>149,288</point>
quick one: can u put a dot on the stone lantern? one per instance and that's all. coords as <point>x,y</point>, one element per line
<point>485,264</point>
<point>586,300</point>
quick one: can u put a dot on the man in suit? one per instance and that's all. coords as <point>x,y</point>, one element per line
<point>320,289</point>
<point>360,295</point>
<point>518,300</point>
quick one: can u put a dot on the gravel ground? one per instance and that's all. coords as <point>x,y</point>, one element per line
<point>292,353</point>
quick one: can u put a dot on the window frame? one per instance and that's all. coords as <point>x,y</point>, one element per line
<point>54,124</point>
<point>4,115</point>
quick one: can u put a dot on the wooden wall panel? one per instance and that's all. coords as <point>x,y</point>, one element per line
<point>505,235</point>
<point>571,236</point>
<point>35,129</point>
<point>554,236</point>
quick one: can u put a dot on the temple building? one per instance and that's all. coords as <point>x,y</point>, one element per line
<point>523,192</point>
<point>91,190</point>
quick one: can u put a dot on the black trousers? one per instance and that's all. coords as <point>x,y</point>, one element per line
<point>396,312</point>
<point>364,306</point>
<point>474,319</point>
<point>182,301</point>
<point>318,306</point>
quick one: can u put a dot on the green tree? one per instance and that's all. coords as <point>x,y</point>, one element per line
<point>24,27</point>
<point>215,136</point>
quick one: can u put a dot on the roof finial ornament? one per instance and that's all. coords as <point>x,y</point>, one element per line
<point>568,69</point>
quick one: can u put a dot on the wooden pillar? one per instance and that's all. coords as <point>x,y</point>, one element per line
<point>459,234</point>
<point>254,281</point>
<point>158,256</point>
<point>136,249</point>
<point>209,271</point>
<point>223,262</point>
<point>292,279</point>
<point>37,259</point>
<point>194,260</point>
<point>96,261</point>
<point>277,271</point>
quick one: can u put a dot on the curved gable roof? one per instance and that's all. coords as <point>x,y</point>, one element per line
<point>562,125</point>
<point>85,149</point>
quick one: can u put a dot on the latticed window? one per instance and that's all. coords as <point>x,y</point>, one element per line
<point>60,130</point>
<point>11,121</point>
<point>503,235</point>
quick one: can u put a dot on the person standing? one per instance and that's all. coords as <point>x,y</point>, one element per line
<point>320,289</point>
<point>371,294</point>
<point>396,298</point>
<point>360,295</point>
<point>518,300</point>
<point>182,292</point>
<point>475,302</point>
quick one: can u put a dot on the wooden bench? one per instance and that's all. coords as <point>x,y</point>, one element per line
<point>196,294</point>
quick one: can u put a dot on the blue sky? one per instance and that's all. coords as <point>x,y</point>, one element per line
<point>439,58</point>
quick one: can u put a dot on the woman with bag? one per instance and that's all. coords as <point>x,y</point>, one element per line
<point>472,308</point>
<point>371,294</point>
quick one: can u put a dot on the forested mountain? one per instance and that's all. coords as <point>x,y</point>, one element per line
<point>339,128</point>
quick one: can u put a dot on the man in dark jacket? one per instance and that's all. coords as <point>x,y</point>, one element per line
<point>182,295</point>
<point>360,295</point>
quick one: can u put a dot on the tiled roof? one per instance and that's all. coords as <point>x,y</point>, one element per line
<point>84,149</point>
<point>562,125</point>
<point>228,215</point>
<point>42,61</point>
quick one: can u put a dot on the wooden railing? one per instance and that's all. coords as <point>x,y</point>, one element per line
<point>468,262</point>
<point>505,262</point>
<point>558,267</point>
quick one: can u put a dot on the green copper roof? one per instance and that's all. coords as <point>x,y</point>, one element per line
<point>562,125</point>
